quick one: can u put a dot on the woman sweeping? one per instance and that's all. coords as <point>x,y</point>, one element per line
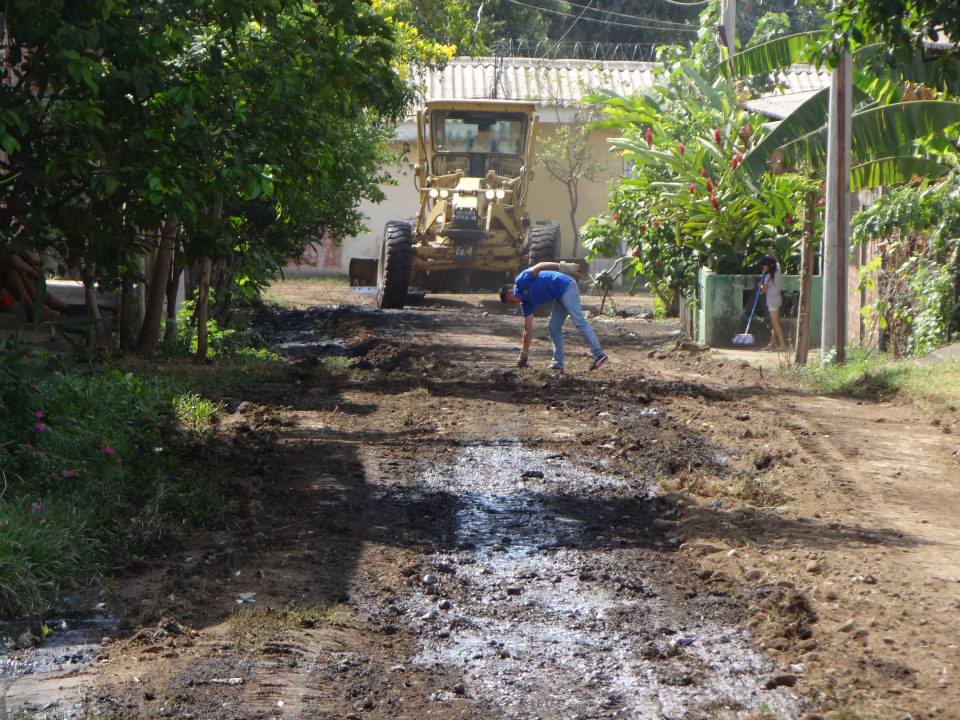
<point>771,291</point>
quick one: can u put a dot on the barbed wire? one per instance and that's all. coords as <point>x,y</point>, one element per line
<point>577,50</point>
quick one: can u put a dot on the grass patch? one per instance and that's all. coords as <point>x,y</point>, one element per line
<point>864,375</point>
<point>875,375</point>
<point>89,479</point>
<point>251,628</point>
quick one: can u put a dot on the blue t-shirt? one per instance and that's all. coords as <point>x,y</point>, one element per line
<point>537,289</point>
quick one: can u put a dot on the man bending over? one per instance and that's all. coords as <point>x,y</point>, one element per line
<point>540,284</point>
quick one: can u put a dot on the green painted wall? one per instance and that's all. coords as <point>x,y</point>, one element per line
<point>724,303</point>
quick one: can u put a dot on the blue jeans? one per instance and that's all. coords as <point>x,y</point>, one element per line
<point>569,304</point>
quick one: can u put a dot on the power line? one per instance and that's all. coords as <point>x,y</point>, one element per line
<point>678,28</point>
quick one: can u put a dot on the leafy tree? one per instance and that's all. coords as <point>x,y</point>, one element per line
<point>240,128</point>
<point>567,156</point>
<point>902,25</point>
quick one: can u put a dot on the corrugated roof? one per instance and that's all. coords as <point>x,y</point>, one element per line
<point>545,81</point>
<point>566,82</point>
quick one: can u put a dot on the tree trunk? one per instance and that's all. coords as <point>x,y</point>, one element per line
<point>806,281</point>
<point>203,308</point>
<point>150,332</point>
<point>97,333</point>
<point>173,286</point>
<point>574,203</point>
<point>131,307</point>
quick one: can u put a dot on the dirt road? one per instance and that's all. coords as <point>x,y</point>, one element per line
<point>430,532</point>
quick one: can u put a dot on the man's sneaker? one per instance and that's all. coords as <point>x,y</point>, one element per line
<point>555,368</point>
<point>599,361</point>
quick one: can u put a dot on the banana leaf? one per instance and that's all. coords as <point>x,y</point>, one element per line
<point>894,171</point>
<point>776,54</point>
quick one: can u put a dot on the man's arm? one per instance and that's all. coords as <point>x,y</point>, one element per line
<point>540,267</point>
<point>568,268</point>
<point>527,339</point>
<point>527,332</point>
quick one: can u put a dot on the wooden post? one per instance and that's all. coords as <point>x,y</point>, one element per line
<point>837,222</point>
<point>806,280</point>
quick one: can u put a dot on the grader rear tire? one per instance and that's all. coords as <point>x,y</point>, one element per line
<point>396,260</point>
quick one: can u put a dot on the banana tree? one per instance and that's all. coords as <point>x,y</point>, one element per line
<point>898,126</point>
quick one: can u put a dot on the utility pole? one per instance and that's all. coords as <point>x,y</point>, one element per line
<point>728,26</point>
<point>836,240</point>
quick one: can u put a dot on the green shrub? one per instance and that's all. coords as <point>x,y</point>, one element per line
<point>85,472</point>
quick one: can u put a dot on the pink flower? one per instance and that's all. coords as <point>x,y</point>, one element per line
<point>648,136</point>
<point>703,172</point>
<point>40,427</point>
<point>38,414</point>
<point>36,508</point>
<point>789,219</point>
<point>682,148</point>
<point>108,450</point>
<point>713,201</point>
<point>693,188</point>
<point>709,185</point>
<point>716,135</point>
<point>69,473</point>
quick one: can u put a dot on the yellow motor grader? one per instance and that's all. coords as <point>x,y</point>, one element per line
<point>473,175</point>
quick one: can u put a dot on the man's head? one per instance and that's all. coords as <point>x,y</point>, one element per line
<point>508,296</point>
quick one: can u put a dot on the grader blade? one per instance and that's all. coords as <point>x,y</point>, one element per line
<point>363,273</point>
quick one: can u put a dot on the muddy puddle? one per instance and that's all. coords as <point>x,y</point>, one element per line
<point>48,681</point>
<point>558,604</point>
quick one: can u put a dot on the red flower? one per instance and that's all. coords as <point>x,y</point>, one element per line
<point>789,219</point>
<point>648,135</point>
<point>658,264</point>
<point>734,162</point>
<point>656,224</point>
<point>693,188</point>
<point>713,201</point>
<point>616,217</point>
<point>636,253</point>
<point>703,172</point>
<point>709,185</point>
<point>682,148</point>
<point>643,228</point>
<point>716,135</point>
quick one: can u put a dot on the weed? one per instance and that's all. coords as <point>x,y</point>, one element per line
<point>337,362</point>
<point>252,628</point>
<point>758,492</point>
<point>196,413</point>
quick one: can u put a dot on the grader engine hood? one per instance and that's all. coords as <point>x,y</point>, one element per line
<point>465,225</point>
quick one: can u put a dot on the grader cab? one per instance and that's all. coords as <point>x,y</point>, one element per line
<point>471,231</point>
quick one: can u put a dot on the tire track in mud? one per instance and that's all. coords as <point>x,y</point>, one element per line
<point>558,600</point>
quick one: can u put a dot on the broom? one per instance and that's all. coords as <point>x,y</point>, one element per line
<point>745,338</point>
